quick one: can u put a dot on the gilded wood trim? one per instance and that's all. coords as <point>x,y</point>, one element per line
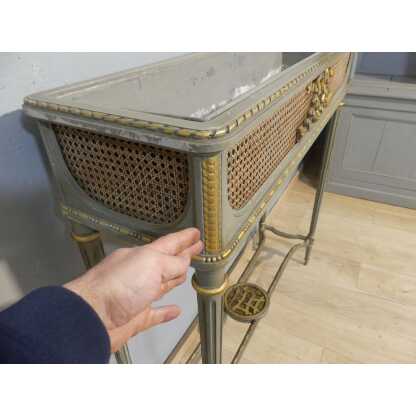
<point>79,216</point>
<point>179,131</point>
<point>211,201</point>
<point>321,97</point>
<point>85,238</point>
<point>313,134</point>
<point>209,291</point>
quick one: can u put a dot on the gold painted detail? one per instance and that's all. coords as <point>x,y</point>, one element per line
<point>79,216</point>
<point>246,302</point>
<point>209,291</point>
<point>85,238</point>
<point>317,127</point>
<point>321,97</point>
<point>211,198</point>
<point>179,131</point>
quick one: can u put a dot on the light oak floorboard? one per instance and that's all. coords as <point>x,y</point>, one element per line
<point>356,299</point>
<point>333,357</point>
<point>355,302</point>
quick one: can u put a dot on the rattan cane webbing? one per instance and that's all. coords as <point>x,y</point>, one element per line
<point>257,155</point>
<point>139,180</point>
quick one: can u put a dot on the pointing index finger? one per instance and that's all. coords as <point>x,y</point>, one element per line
<point>176,243</point>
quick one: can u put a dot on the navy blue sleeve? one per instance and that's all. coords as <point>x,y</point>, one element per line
<point>52,325</point>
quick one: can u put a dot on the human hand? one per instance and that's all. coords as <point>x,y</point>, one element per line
<point>122,287</point>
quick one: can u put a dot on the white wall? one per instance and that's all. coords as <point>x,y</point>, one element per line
<point>35,248</point>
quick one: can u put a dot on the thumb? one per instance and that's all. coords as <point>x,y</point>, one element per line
<point>164,314</point>
<point>147,319</point>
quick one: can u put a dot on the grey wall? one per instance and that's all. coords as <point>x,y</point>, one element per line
<point>35,249</point>
<point>387,63</point>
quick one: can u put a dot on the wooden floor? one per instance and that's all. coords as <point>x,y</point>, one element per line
<point>356,300</point>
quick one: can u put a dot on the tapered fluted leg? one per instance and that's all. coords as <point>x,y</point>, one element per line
<point>92,252</point>
<point>210,309</point>
<point>89,244</point>
<point>329,144</point>
<point>211,314</point>
<point>123,355</point>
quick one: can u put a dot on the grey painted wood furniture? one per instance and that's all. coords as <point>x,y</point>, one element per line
<point>204,140</point>
<point>375,150</point>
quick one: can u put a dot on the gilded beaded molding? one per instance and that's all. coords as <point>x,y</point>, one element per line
<point>211,192</point>
<point>211,181</point>
<point>178,131</point>
<point>279,182</point>
<point>77,215</point>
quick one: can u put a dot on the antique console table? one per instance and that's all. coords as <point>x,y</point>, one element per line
<point>206,140</point>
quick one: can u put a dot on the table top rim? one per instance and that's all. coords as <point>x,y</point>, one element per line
<point>212,128</point>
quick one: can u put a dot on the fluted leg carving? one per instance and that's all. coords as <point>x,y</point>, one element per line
<point>211,315</point>
<point>89,244</point>
<point>210,309</point>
